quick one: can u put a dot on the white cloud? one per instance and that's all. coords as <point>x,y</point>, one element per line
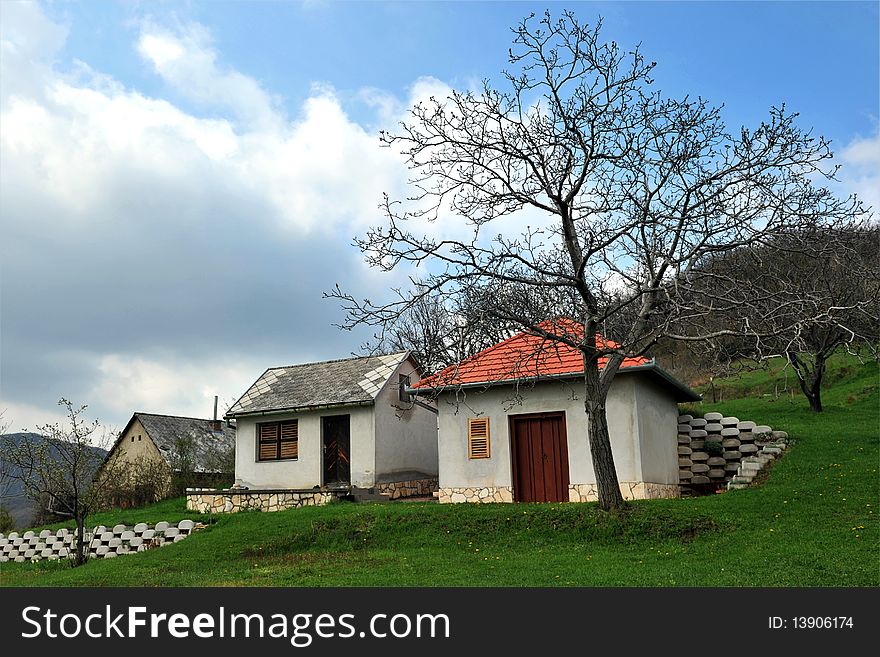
<point>324,170</point>
<point>388,108</point>
<point>28,43</point>
<point>425,88</point>
<point>129,384</point>
<point>321,171</point>
<point>391,110</point>
<point>163,51</point>
<point>186,60</point>
<point>860,171</point>
<point>132,226</point>
<point>22,416</point>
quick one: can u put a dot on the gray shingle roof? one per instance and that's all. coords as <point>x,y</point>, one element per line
<point>333,382</point>
<point>207,447</point>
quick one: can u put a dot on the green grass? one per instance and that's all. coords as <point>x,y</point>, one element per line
<point>846,379</point>
<point>812,523</point>
<point>172,510</point>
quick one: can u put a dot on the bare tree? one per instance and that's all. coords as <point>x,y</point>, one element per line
<point>629,193</point>
<point>219,460</point>
<point>141,481</point>
<point>439,334</point>
<point>836,288</point>
<point>59,469</point>
<point>5,481</point>
<point>806,294</point>
<point>7,522</point>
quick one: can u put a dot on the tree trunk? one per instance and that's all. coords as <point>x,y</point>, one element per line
<point>600,442</point>
<point>80,555</point>
<point>810,381</point>
<point>814,394</point>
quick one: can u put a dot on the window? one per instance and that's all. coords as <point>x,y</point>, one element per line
<point>402,385</point>
<point>478,437</point>
<point>278,440</point>
<point>132,439</point>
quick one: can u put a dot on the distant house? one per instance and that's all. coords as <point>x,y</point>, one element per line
<point>336,424</point>
<point>200,451</point>
<point>512,426</point>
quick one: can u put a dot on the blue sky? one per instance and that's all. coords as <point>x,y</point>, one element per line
<point>820,57</point>
<point>181,180</point>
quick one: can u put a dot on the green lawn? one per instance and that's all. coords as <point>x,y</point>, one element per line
<point>168,510</point>
<point>812,523</point>
<point>846,377</point>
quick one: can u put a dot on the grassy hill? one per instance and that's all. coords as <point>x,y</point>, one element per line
<point>813,522</point>
<point>846,380</point>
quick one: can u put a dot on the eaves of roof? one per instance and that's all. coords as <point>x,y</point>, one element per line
<point>684,393</point>
<point>299,409</point>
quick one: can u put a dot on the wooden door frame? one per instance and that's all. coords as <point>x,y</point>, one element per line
<point>510,438</point>
<point>324,418</point>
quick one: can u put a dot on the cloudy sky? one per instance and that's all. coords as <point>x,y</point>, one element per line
<point>180,181</point>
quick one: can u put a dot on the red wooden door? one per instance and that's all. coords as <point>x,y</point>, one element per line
<point>540,457</point>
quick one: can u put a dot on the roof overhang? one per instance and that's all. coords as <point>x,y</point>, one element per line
<point>299,409</point>
<point>682,393</point>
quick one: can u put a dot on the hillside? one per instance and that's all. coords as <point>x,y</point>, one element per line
<point>846,378</point>
<point>813,522</point>
<point>12,496</point>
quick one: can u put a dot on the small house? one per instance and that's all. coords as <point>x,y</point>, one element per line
<point>513,427</point>
<point>335,425</point>
<point>163,450</point>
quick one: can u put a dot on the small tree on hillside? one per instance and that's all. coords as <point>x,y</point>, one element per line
<point>805,295</point>
<point>631,192</point>
<point>7,522</point>
<point>59,470</point>
<point>833,280</point>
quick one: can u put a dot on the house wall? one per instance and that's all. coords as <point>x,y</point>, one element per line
<point>142,447</point>
<point>307,470</point>
<point>630,414</point>
<point>136,461</point>
<point>406,434</point>
<point>657,422</point>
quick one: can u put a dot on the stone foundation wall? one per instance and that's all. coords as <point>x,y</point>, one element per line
<point>409,488</point>
<point>476,495</point>
<point>636,490</point>
<point>231,501</point>
<point>741,449</point>
<point>101,543</point>
<point>631,490</point>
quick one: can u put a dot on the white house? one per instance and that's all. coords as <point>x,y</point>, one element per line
<point>512,426</point>
<point>336,424</point>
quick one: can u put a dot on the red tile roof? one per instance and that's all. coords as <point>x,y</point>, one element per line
<point>524,355</point>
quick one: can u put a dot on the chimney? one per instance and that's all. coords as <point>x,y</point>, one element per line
<point>215,423</point>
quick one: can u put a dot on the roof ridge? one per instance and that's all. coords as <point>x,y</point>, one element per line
<point>497,345</point>
<point>336,360</point>
<point>179,417</point>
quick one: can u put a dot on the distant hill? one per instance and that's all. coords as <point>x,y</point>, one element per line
<point>12,496</point>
